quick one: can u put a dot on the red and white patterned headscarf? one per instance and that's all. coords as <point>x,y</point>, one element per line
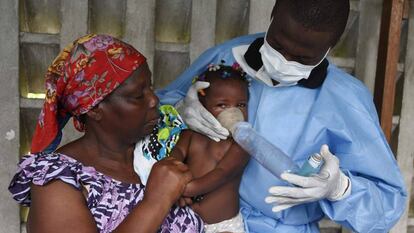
<point>79,78</point>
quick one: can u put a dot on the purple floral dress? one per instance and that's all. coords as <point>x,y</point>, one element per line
<point>109,200</point>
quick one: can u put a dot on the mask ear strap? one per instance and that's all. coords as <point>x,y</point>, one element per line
<point>326,54</point>
<point>268,27</point>
<point>329,49</point>
<point>252,56</point>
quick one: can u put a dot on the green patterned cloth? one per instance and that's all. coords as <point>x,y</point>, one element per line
<point>159,143</point>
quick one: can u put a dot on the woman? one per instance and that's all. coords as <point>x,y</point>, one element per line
<point>89,185</point>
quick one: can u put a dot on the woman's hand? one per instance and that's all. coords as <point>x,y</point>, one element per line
<point>167,181</point>
<point>165,185</point>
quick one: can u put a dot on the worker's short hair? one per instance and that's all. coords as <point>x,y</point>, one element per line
<point>318,15</point>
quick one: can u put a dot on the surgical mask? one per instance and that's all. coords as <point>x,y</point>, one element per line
<point>276,67</point>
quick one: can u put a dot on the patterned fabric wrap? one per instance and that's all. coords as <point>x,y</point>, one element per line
<point>159,143</point>
<point>78,79</point>
<point>109,200</point>
<point>165,135</point>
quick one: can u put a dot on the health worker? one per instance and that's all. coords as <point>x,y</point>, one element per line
<point>303,104</point>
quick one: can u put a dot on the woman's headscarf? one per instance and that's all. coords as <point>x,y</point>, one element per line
<point>78,79</point>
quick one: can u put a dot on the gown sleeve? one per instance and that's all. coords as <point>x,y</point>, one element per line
<point>353,131</point>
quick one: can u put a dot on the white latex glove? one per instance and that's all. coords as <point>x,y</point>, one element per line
<point>330,183</point>
<point>197,117</point>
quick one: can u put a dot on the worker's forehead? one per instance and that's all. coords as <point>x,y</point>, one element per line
<point>292,35</point>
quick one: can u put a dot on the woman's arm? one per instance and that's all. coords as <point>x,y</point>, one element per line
<point>165,185</point>
<point>58,207</point>
<point>230,166</point>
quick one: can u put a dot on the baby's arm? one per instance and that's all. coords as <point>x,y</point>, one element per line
<point>230,166</point>
<point>180,150</point>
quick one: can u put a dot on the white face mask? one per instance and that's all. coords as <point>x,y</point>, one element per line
<point>276,67</point>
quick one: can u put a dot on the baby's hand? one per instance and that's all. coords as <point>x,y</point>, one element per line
<point>184,201</point>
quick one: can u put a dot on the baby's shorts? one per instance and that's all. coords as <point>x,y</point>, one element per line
<point>234,225</point>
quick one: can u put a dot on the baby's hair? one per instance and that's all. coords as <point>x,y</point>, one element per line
<point>222,71</point>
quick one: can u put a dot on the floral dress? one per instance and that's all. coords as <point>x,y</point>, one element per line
<point>109,200</point>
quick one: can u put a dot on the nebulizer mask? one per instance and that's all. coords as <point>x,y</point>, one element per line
<point>229,117</point>
<point>276,67</point>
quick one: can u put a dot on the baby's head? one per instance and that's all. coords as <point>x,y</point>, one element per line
<point>228,88</point>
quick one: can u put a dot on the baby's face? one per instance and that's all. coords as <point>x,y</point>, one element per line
<point>223,94</point>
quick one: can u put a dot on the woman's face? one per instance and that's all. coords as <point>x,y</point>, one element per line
<point>131,110</point>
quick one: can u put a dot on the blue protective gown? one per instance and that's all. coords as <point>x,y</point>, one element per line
<point>299,120</point>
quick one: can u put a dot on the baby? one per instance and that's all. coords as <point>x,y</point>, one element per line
<point>216,166</point>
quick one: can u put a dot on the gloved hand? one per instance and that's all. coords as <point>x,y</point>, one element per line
<point>330,183</point>
<point>197,117</point>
